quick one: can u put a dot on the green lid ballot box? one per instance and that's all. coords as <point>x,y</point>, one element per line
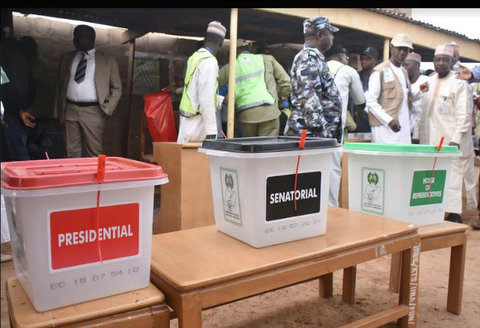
<point>255,196</point>
<point>77,236</point>
<point>406,182</point>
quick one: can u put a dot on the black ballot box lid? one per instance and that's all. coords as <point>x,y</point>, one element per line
<point>267,144</point>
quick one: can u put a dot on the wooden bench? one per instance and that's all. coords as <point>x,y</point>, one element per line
<point>139,308</point>
<point>435,236</point>
<point>201,268</point>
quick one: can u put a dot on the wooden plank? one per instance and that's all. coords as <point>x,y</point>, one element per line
<point>325,285</point>
<point>455,278</point>
<point>157,316</point>
<point>380,318</point>
<point>23,314</point>
<point>349,282</point>
<point>186,200</point>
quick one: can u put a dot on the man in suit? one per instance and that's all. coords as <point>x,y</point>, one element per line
<point>88,90</point>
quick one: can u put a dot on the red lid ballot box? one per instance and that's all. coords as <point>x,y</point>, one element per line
<point>80,230</point>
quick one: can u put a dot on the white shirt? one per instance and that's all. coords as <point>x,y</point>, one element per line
<point>383,133</point>
<point>84,91</point>
<point>348,84</point>
<point>201,92</point>
<point>416,109</point>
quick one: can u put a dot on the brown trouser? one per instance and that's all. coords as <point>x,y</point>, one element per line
<point>83,128</point>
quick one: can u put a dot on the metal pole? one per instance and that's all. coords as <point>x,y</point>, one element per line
<point>231,72</point>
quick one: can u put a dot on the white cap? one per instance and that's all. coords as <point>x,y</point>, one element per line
<point>402,40</point>
<point>216,27</point>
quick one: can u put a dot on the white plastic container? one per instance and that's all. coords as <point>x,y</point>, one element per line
<point>66,249</point>
<point>253,183</point>
<point>399,181</point>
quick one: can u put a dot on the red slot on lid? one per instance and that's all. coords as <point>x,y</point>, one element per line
<point>64,172</point>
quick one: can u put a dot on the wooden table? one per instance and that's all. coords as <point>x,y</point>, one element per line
<point>437,236</point>
<point>138,308</point>
<point>202,268</point>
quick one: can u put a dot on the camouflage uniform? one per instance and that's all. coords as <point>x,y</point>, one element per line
<point>316,102</point>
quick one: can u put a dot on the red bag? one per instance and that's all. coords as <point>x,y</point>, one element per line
<point>160,119</point>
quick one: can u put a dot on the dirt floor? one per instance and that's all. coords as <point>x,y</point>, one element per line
<point>299,305</point>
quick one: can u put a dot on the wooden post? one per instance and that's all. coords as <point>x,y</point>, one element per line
<point>231,72</point>
<point>132,144</point>
<point>386,49</point>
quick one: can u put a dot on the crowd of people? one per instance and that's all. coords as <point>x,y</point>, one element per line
<point>393,100</point>
<point>324,95</point>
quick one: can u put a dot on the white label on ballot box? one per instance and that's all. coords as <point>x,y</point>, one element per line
<point>230,196</point>
<point>373,190</point>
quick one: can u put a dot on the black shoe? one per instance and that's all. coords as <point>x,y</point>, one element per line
<point>454,217</point>
<point>476,225</point>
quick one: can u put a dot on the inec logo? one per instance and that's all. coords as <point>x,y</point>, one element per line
<point>372,178</point>
<point>230,192</point>
<point>230,196</point>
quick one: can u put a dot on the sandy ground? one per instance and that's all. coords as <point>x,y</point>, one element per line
<point>299,305</point>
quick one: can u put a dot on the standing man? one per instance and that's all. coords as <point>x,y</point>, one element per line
<point>412,65</point>
<point>257,79</point>
<point>387,95</point>
<point>348,83</point>
<point>16,95</point>
<point>88,90</point>
<point>368,60</point>
<point>346,79</point>
<point>446,112</point>
<point>199,98</point>
<point>316,102</point>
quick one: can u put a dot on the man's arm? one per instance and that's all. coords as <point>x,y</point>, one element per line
<point>469,75</point>
<point>115,86</point>
<point>463,113</point>
<point>283,80</point>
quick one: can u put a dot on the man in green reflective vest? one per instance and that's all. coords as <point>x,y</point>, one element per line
<point>199,99</point>
<point>257,79</point>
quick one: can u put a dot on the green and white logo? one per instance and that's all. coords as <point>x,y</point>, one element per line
<point>373,190</point>
<point>230,195</point>
<point>428,188</point>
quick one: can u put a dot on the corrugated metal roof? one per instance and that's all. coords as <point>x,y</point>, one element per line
<point>404,17</point>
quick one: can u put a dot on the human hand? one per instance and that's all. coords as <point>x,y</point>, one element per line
<point>424,87</point>
<point>464,73</point>
<point>454,144</point>
<point>395,125</point>
<point>359,112</point>
<point>171,89</point>
<point>28,119</point>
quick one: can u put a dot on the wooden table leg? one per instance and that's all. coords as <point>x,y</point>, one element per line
<point>408,292</point>
<point>455,279</point>
<point>190,312</point>
<point>395,269</point>
<point>349,282</point>
<point>325,285</point>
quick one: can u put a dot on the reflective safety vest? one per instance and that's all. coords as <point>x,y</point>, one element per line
<point>186,107</point>
<point>250,87</point>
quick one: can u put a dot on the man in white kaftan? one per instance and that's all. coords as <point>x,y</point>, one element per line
<point>447,112</point>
